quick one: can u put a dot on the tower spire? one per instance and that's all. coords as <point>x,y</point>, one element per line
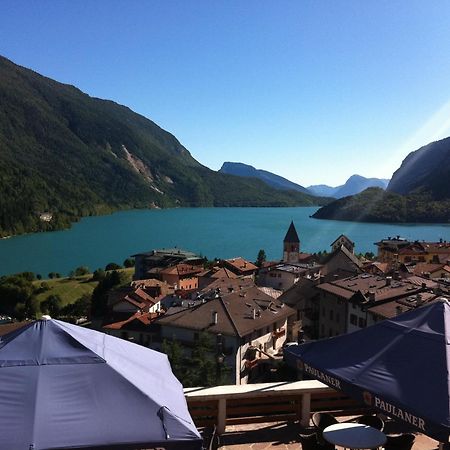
<point>291,245</point>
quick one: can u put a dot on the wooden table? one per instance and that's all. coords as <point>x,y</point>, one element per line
<point>354,436</point>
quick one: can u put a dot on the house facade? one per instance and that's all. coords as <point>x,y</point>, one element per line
<point>251,326</point>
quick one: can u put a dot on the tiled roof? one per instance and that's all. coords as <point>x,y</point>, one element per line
<point>426,247</point>
<point>218,272</point>
<point>182,269</point>
<point>144,319</point>
<point>383,267</point>
<point>343,250</point>
<point>342,236</point>
<point>135,296</point>
<point>380,286</point>
<point>305,288</point>
<point>234,313</point>
<point>240,264</point>
<point>420,268</point>
<point>389,310</point>
<point>274,293</point>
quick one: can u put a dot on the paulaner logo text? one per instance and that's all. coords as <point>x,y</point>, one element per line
<point>392,410</point>
<point>322,376</point>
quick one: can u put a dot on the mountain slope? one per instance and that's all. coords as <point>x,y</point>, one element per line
<point>425,170</point>
<point>66,153</point>
<point>419,191</point>
<point>276,181</point>
<point>354,185</point>
<point>376,205</point>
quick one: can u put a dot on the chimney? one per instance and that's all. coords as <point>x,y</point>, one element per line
<point>419,300</point>
<point>424,285</point>
<point>253,313</point>
<point>398,310</point>
<point>371,296</point>
<point>215,317</point>
<point>396,275</point>
<point>388,281</point>
<point>427,275</point>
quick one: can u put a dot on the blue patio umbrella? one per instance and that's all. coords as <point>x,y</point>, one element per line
<point>64,386</point>
<point>399,367</point>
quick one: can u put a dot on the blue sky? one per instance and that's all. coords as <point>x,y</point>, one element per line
<point>314,90</point>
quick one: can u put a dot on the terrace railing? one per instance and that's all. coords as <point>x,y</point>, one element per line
<point>265,402</point>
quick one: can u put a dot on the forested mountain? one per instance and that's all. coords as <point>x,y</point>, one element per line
<point>276,181</point>
<point>425,170</point>
<point>354,185</point>
<point>71,155</point>
<point>376,205</point>
<point>419,191</point>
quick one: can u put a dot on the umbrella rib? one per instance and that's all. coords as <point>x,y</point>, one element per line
<point>35,405</point>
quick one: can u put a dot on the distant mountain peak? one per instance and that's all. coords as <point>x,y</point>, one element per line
<point>354,185</point>
<point>276,181</point>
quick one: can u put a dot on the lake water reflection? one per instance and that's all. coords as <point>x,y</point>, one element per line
<point>212,232</point>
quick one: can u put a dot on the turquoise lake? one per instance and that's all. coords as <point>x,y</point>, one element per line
<point>211,232</point>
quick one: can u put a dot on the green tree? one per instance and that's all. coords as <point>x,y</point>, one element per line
<point>112,266</point>
<point>82,270</point>
<point>15,290</point>
<point>201,367</point>
<point>52,305</point>
<point>80,308</point>
<point>99,306</point>
<point>261,258</point>
<point>98,275</point>
<point>129,262</point>
<point>174,352</point>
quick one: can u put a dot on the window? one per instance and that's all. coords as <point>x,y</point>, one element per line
<point>323,311</point>
<point>331,314</point>
<point>337,317</point>
<point>362,322</point>
<point>196,336</point>
<point>322,328</point>
<point>353,319</point>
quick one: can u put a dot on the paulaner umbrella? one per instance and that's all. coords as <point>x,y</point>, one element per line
<point>63,386</point>
<point>399,367</point>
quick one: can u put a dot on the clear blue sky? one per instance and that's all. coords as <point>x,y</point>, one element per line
<point>314,90</point>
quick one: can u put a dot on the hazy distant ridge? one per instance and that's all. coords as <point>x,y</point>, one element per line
<point>354,185</point>
<point>276,181</point>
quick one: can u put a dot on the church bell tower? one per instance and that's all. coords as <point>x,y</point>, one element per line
<point>291,246</point>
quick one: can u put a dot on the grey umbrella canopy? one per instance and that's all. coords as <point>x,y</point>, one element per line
<point>64,386</point>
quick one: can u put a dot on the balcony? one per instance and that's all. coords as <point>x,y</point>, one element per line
<point>270,414</point>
